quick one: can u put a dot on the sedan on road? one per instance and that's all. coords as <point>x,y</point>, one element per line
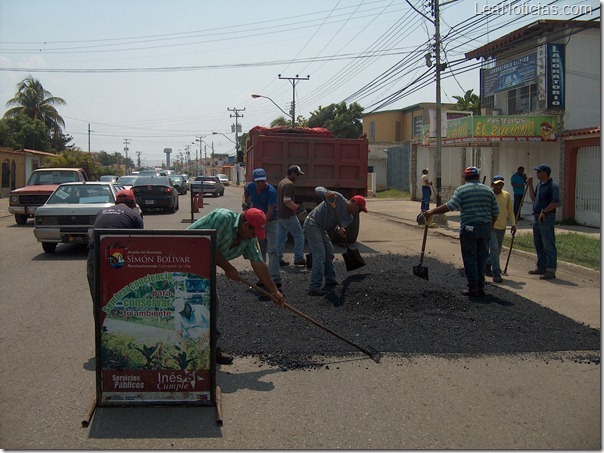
<point>210,184</point>
<point>127,181</point>
<point>70,212</point>
<point>180,183</point>
<point>224,179</point>
<point>156,192</point>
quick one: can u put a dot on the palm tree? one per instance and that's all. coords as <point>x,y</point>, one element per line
<point>37,103</point>
<point>469,102</point>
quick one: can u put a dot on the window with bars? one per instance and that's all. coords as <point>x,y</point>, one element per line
<point>522,100</point>
<point>418,122</point>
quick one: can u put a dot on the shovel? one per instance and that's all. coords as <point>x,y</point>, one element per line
<point>371,352</point>
<point>419,270</point>
<point>505,271</point>
<point>352,258</point>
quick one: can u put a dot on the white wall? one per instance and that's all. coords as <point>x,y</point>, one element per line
<point>583,90</point>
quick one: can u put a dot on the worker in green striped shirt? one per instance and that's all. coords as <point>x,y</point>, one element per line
<point>236,235</point>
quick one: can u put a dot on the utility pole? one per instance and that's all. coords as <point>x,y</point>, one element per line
<point>138,159</point>
<point>239,154</point>
<point>188,152</point>
<point>126,141</point>
<point>89,137</point>
<point>213,164</point>
<point>437,157</point>
<point>294,81</point>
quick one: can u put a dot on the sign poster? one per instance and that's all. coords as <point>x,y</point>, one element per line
<point>511,128</point>
<point>555,76</point>
<point>492,129</point>
<point>509,75</point>
<point>155,317</point>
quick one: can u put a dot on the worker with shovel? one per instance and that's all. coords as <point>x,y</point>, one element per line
<point>334,211</point>
<point>236,235</point>
<point>479,211</point>
<point>506,211</point>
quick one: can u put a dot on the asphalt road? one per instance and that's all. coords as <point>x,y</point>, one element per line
<point>407,401</point>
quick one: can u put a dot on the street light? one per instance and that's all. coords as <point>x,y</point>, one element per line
<point>256,96</point>
<point>226,136</point>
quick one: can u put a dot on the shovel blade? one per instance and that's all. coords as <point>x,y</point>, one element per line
<point>353,259</point>
<point>421,272</point>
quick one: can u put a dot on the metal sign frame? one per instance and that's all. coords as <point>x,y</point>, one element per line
<point>140,358</point>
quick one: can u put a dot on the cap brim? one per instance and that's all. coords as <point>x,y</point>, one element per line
<point>260,233</point>
<point>260,179</point>
<point>499,181</point>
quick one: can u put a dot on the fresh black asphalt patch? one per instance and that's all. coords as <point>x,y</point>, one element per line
<point>383,305</point>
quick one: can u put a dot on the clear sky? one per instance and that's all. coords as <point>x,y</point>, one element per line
<point>160,73</point>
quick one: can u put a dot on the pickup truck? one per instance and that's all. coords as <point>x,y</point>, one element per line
<point>24,201</point>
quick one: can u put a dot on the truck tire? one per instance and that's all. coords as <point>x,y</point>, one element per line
<point>49,247</point>
<point>21,219</point>
<point>352,232</point>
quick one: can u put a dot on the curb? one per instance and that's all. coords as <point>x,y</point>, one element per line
<point>528,255</point>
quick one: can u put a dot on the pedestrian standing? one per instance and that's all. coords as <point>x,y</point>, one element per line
<point>518,181</point>
<point>506,212</point>
<point>334,211</point>
<point>287,211</point>
<point>479,211</point>
<point>262,195</point>
<point>236,236</point>
<point>546,198</point>
<point>426,190</point>
<point>120,216</point>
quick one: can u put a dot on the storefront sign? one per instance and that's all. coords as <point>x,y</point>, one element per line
<point>555,76</point>
<point>155,317</point>
<point>513,128</point>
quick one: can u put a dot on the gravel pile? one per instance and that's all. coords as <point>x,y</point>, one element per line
<point>383,305</point>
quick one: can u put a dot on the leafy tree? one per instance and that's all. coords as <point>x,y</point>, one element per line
<point>73,158</point>
<point>242,146</point>
<point>470,102</point>
<point>342,121</point>
<point>280,121</point>
<point>37,103</point>
<point>22,132</point>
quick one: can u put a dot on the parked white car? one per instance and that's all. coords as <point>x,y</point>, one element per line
<point>224,179</point>
<point>70,212</point>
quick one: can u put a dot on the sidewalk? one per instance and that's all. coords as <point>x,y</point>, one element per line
<point>574,293</point>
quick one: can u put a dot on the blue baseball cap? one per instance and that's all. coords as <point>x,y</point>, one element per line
<point>259,174</point>
<point>543,167</point>
<point>497,179</point>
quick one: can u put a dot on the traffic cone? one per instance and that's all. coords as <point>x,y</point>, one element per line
<point>196,203</point>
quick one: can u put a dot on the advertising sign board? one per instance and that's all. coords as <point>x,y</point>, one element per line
<point>155,314</point>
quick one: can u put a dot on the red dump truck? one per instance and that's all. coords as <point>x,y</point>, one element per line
<point>339,164</point>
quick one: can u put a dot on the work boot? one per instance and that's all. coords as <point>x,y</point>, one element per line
<point>283,263</point>
<point>318,292</point>
<point>536,272</point>
<point>301,262</point>
<point>222,358</point>
<point>547,275</point>
<point>471,292</point>
<point>497,279</point>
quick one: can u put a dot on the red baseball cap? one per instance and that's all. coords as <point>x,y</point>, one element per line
<point>358,199</point>
<point>257,219</point>
<point>125,195</point>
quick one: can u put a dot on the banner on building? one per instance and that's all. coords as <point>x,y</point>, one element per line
<point>555,76</point>
<point>509,75</point>
<point>492,129</point>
